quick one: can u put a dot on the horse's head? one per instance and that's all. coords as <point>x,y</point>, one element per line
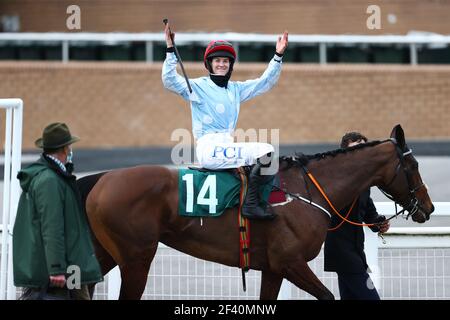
<point>406,186</point>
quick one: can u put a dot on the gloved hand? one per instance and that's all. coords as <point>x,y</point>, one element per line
<point>383,224</point>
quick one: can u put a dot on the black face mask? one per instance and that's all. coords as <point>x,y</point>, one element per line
<point>221,81</point>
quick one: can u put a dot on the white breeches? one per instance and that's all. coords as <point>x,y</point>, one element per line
<point>219,151</point>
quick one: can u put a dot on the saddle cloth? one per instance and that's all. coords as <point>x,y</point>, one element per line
<point>203,193</point>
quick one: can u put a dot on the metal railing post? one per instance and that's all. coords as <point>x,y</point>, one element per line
<point>149,49</point>
<point>65,51</point>
<point>323,53</point>
<point>413,54</point>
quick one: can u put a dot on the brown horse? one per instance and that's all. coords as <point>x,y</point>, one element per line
<point>131,210</point>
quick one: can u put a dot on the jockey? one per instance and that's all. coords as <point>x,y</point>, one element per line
<point>215,103</point>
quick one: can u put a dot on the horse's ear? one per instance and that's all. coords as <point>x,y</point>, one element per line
<point>398,134</point>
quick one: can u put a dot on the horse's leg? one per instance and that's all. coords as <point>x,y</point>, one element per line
<point>104,259</point>
<point>270,285</point>
<point>302,276</point>
<point>134,276</point>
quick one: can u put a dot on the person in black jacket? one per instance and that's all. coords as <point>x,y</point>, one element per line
<point>344,247</point>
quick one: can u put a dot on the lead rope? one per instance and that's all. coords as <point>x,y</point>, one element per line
<point>346,216</point>
<point>331,205</point>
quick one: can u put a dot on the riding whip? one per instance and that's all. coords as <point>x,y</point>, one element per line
<point>177,54</point>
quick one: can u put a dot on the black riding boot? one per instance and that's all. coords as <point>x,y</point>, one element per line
<point>251,208</point>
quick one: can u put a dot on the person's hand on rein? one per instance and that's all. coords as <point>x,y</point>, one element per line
<point>384,226</point>
<point>381,224</point>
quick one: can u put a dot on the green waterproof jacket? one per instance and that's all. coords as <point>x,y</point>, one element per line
<point>51,232</point>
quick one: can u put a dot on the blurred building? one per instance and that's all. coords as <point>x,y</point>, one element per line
<point>368,87</point>
<point>245,16</point>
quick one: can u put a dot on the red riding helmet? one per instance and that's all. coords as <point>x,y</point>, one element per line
<point>219,48</point>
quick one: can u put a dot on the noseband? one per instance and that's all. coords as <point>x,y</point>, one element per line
<point>413,206</point>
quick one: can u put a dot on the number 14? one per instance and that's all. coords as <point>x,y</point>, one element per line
<point>209,184</point>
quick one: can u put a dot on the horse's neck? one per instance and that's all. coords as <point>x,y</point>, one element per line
<point>345,176</point>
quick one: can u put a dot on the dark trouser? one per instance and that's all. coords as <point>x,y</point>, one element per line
<point>356,286</point>
<point>56,294</point>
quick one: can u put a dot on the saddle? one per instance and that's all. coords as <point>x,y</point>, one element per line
<point>276,195</point>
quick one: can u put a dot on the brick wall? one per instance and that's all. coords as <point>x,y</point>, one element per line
<point>262,16</point>
<point>125,104</point>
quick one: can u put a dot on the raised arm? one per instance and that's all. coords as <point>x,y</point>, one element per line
<point>252,88</point>
<point>170,78</point>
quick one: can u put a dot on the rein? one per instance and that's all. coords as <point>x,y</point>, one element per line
<point>308,201</point>
<point>411,208</point>
<point>346,216</point>
<point>314,181</point>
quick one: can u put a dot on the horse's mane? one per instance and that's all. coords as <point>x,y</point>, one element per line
<point>300,159</point>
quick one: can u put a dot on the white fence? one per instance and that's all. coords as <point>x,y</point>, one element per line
<point>414,263</point>
<point>65,39</point>
<point>11,188</point>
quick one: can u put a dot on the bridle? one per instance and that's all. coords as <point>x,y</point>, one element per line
<point>413,205</point>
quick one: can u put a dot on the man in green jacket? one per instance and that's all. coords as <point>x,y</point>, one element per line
<point>52,248</point>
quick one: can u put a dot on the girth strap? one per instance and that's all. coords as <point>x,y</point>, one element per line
<point>244,229</point>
